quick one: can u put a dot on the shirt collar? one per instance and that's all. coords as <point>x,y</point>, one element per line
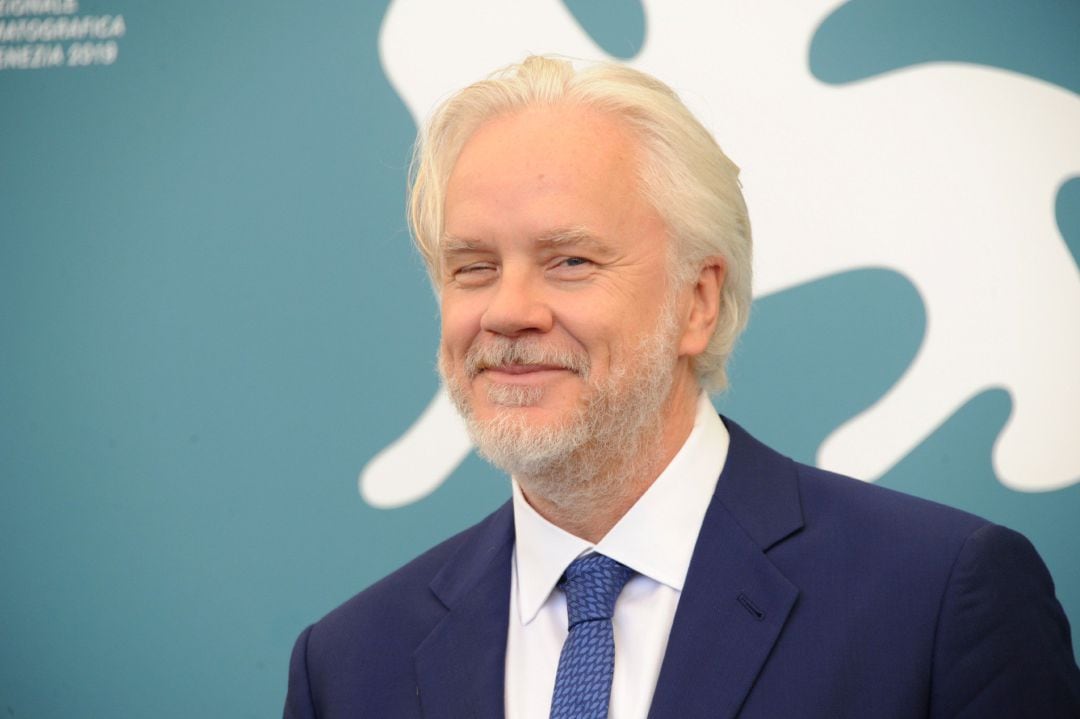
<point>655,538</point>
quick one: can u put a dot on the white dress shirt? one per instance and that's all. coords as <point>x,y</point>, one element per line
<point>655,538</point>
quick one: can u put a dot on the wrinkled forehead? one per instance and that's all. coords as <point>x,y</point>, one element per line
<point>580,158</point>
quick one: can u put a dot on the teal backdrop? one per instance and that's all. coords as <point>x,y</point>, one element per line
<point>211,319</point>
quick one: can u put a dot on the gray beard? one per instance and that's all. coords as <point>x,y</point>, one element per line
<point>612,435</point>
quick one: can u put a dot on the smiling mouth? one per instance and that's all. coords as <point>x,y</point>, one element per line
<point>521,373</point>
<point>523,368</point>
<point>522,361</point>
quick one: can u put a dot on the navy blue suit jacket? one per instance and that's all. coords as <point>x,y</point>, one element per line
<point>808,595</point>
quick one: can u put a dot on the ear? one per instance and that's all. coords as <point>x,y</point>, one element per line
<point>704,307</point>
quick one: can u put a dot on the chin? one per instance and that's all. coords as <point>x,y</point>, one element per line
<point>534,415</point>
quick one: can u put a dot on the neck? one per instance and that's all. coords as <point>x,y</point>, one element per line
<point>591,491</point>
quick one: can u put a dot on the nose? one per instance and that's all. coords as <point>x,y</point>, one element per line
<point>517,305</point>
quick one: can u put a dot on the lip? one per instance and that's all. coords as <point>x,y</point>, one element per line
<point>523,374</point>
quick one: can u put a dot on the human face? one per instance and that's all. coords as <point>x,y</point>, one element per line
<point>548,246</point>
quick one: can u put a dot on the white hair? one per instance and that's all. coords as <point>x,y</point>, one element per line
<point>684,174</point>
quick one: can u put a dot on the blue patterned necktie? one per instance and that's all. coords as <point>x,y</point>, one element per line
<point>583,681</point>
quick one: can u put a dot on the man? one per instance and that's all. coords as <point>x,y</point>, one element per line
<point>590,248</point>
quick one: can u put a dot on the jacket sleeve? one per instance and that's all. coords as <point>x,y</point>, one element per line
<point>1002,647</point>
<point>298,704</point>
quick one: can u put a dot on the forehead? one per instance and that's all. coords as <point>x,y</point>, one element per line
<point>548,130</point>
<point>544,167</point>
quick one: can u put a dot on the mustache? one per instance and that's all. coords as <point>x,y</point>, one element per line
<point>500,351</point>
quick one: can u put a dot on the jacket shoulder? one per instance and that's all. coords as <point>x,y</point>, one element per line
<point>776,498</point>
<point>358,659</point>
<point>404,595</point>
<point>874,509</point>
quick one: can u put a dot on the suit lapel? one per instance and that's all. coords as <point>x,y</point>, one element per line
<point>735,602</point>
<point>460,666</point>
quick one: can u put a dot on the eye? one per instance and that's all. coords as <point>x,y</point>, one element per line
<point>573,268</point>
<point>474,274</point>
<point>575,264</point>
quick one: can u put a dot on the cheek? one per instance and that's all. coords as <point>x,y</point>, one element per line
<point>591,329</point>
<point>459,327</point>
<point>615,345</point>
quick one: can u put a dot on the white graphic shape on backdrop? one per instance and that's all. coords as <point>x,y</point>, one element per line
<point>416,463</point>
<point>946,173</point>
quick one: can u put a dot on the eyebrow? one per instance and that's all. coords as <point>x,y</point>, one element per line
<point>575,236</point>
<point>570,236</point>
<point>450,243</point>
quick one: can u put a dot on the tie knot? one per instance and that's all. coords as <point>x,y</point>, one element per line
<point>592,584</point>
